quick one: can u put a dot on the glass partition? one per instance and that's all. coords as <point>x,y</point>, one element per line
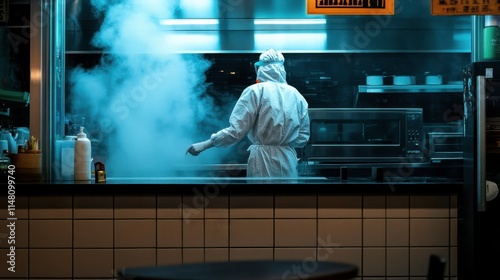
<point>143,97</point>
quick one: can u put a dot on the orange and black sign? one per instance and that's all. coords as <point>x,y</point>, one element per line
<point>465,7</point>
<point>351,7</point>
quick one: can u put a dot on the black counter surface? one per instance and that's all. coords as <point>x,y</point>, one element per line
<point>218,185</point>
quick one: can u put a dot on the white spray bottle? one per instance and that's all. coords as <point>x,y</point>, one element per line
<point>82,156</point>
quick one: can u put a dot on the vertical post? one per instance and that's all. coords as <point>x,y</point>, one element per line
<point>477,38</point>
<point>47,77</point>
<point>36,30</point>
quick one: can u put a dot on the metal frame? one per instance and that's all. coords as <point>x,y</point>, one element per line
<point>46,76</point>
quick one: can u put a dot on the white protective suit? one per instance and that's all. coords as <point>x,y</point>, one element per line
<point>274,116</point>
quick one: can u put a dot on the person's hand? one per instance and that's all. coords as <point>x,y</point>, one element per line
<point>197,148</point>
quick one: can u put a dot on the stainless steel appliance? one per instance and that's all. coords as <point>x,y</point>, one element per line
<point>445,146</point>
<point>478,226</point>
<point>365,135</point>
<point>443,117</point>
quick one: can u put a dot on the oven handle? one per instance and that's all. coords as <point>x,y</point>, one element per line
<point>481,143</point>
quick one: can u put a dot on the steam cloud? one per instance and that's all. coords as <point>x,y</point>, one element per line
<point>144,102</point>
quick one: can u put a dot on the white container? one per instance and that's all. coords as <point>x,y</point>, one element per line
<point>82,157</point>
<point>433,80</point>
<point>372,80</point>
<point>404,80</point>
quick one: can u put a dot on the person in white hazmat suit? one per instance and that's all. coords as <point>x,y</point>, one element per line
<point>274,116</point>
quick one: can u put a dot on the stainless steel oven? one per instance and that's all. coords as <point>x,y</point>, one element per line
<point>364,135</point>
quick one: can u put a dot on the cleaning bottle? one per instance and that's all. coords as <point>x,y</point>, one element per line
<point>491,38</point>
<point>82,156</point>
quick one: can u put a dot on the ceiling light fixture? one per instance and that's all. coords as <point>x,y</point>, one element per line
<point>189,21</point>
<point>289,21</point>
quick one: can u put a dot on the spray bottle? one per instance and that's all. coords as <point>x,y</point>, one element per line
<point>82,156</point>
<point>491,38</point>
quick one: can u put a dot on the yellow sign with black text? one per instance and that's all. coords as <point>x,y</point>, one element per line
<point>465,7</point>
<point>351,7</point>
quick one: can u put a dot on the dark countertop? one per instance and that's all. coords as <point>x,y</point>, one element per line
<point>315,184</point>
<point>252,181</point>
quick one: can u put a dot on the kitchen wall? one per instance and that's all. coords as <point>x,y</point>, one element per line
<point>92,234</point>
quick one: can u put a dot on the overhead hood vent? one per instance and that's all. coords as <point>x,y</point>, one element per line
<point>251,26</point>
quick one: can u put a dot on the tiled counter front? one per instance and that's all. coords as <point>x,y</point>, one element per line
<point>91,234</point>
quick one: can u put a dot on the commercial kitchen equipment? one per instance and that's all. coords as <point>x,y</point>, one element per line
<point>478,226</point>
<point>442,118</point>
<point>364,135</point>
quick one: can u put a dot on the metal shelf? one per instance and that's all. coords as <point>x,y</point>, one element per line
<point>410,88</point>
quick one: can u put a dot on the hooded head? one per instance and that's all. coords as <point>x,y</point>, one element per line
<point>270,67</point>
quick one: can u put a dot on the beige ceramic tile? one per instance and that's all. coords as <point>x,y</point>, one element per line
<point>169,233</point>
<point>51,207</point>
<point>398,232</point>
<point>193,233</point>
<point>240,254</point>
<point>193,255</point>
<point>51,263</point>
<point>19,206</point>
<point>14,231</point>
<point>51,234</point>
<point>398,261</point>
<point>295,232</point>
<point>453,261</point>
<point>96,263</point>
<point>93,233</point>
<point>453,232</point>
<point>93,207</point>
<point>340,206</point>
<point>295,206</point>
<point>374,232</point>
<point>374,261</point>
<point>17,269</point>
<point>453,205</point>
<point>430,206</point>
<point>135,233</point>
<point>216,233</point>
<point>374,206</point>
<point>217,207</point>
<point>398,206</point>
<point>193,206</point>
<point>340,232</point>
<point>169,256</point>
<point>246,206</point>
<point>429,232</point>
<point>251,232</point>
<point>419,259</point>
<point>216,254</point>
<point>22,207</point>
<point>169,206</point>
<point>346,255</point>
<point>135,207</point>
<point>295,253</point>
<point>134,258</point>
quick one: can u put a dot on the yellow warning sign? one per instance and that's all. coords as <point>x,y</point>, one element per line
<point>350,7</point>
<point>465,7</point>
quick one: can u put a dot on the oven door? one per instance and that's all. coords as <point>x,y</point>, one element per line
<point>364,134</point>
